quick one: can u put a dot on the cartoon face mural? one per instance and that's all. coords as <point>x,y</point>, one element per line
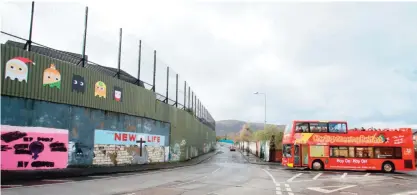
<point>78,83</point>
<point>52,77</point>
<point>100,89</point>
<point>117,94</point>
<point>16,68</point>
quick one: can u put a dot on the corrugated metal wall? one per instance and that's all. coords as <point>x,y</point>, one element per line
<point>137,101</point>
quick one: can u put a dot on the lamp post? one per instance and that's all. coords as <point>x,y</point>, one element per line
<point>258,93</point>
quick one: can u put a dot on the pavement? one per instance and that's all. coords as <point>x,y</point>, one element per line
<point>227,173</point>
<point>253,159</point>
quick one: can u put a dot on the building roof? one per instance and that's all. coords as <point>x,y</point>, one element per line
<point>75,59</point>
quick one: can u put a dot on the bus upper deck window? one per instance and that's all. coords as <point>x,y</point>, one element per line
<point>337,128</point>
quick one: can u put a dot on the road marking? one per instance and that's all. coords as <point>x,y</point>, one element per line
<point>194,180</point>
<point>349,193</point>
<point>215,170</point>
<point>366,175</point>
<point>278,192</point>
<point>344,175</point>
<point>290,193</point>
<point>55,180</point>
<point>317,176</point>
<point>289,190</point>
<point>10,186</point>
<point>287,186</point>
<point>406,193</point>
<point>326,191</point>
<point>98,176</point>
<point>295,176</point>
<point>272,177</point>
<point>130,194</point>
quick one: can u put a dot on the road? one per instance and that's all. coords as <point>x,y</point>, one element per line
<point>227,173</point>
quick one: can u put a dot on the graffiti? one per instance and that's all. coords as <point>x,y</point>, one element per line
<point>78,151</point>
<point>175,152</point>
<point>114,147</point>
<point>148,125</point>
<point>117,94</point>
<point>16,68</point>
<point>78,83</point>
<point>33,148</point>
<point>100,89</point>
<point>52,77</point>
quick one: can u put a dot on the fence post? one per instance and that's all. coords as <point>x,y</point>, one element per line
<point>140,56</point>
<point>176,90</point>
<point>166,93</point>
<point>28,44</point>
<point>189,101</point>
<point>84,37</point>
<point>192,101</point>
<point>185,95</point>
<point>154,70</point>
<point>120,54</point>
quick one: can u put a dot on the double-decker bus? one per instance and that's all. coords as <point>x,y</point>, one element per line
<point>321,145</point>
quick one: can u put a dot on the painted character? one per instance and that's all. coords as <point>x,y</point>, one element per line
<point>100,89</point>
<point>117,94</point>
<point>78,83</point>
<point>16,68</point>
<point>52,77</point>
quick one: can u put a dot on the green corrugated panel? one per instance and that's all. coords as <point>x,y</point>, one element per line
<point>136,100</point>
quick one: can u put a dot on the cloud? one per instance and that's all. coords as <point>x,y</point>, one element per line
<point>319,61</point>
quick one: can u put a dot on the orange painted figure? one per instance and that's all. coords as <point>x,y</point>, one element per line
<point>52,77</point>
<point>100,89</point>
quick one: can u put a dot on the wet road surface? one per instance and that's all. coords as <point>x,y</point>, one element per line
<point>227,173</point>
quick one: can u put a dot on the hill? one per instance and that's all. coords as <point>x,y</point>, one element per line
<point>224,127</point>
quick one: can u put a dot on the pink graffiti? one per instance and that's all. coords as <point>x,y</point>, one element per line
<point>28,148</point>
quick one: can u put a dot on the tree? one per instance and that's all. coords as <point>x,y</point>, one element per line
<point>266,135</point>
<point>245,133</point>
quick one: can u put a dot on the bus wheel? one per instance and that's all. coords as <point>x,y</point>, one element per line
<point>317,165</point>
<point>388,167</point>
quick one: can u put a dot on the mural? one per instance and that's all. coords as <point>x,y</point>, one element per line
<point>100,89</point>
<point>117,94</point>
<point>78,83</point>
<point>16,68</point>
<point>52,77</point>
<point>28,148</point>
<point>176,150</point>
<point>115,147</point>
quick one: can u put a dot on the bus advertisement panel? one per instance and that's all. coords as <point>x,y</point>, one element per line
<point>385,150</point>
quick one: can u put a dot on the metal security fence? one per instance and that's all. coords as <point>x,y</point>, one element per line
<point>146,69</point>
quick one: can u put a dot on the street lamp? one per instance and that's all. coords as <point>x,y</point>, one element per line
<point>258,93</point>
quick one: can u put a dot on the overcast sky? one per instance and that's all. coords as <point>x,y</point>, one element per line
<point>320,61</point>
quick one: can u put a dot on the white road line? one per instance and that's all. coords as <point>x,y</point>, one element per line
<point>290,193</point>
<point>278,189</point>
<point>98,176</point>
<point>278,192</point>
<point>317,176</point>
<point>215,170</point>
<point>295,176</point>
<point>344,175</point>
<point>55,180</point>
<point>289,190</point>
<point>130,194</point>
<point>272,177</point>
<point>11,186</point>
<point>366,175</point>
<point>287,186</point>
<point>406,193</point>
<point>277,184</point>
<point>194,180</point>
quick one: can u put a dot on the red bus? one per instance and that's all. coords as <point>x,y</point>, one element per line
<point>321,145</point>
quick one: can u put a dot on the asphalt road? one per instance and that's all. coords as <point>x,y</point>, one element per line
<point>227,173</point>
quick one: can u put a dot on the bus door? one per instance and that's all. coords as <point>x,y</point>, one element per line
<point>297,154</point>
<point>304,155</point>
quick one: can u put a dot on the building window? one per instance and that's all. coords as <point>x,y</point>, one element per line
<point>364,152</point>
